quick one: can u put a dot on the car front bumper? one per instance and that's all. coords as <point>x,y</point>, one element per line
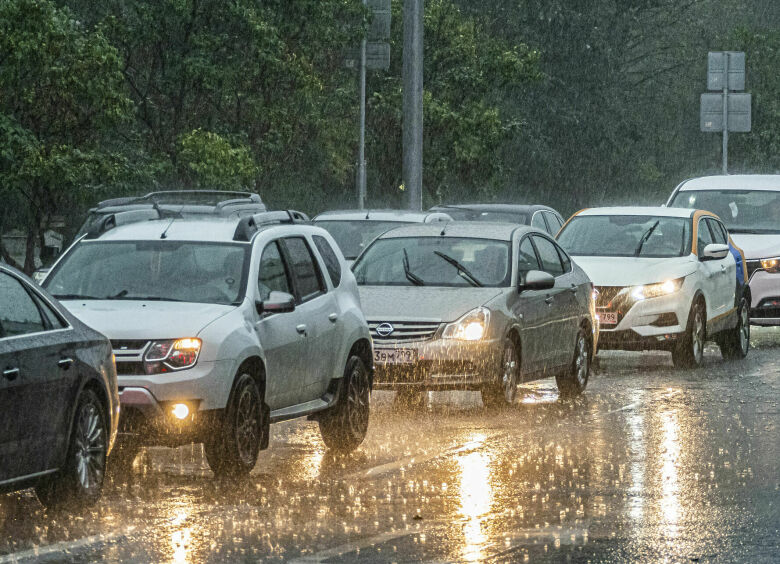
<point>442,364</point>
<point>765,298</point>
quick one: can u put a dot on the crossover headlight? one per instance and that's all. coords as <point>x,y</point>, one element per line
<point>664,288</point>
<point>171,355</point>
<point>470,327</point>
<point>771,264</point>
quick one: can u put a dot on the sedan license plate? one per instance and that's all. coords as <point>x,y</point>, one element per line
<point>395,356</point>
<point>608,317</point>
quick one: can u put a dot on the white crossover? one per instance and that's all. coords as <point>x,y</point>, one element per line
<point>666,280</point>
<point>749,205</point>
<point>221,326</point>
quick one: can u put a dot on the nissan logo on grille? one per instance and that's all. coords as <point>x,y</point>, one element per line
<point>384,330</point>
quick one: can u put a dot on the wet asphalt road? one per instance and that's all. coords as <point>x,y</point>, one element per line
<point>651,464</point>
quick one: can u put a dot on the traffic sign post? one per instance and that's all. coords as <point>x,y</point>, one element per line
<point>726,111</point>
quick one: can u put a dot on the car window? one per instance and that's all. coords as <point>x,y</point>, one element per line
<point>273,276</point>
<point>565,260</point>
<point>548,255</point>
<point>331,260</point>
<point>718,233</point>
<point>538,221</point>
<point>704,237</point>
<point>18,313</point>
<point>557,222</point>
<point>53,319</point>
<point>527,259</point>
<point>308,279</point>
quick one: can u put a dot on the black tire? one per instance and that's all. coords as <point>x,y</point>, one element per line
<point>233,450</point>
<point>689,352</point>
<point>344,426</point>
<point>574,381</point>
<point>735,343</point>
<point>504,391</point>
<point>79,483</point>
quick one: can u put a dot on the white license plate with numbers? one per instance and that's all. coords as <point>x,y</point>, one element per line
<point>395,356</point>
<point>608,317</point>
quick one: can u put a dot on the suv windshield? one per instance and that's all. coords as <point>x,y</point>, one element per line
<point>464,214</point>
<point>742,211</point>
<point>354,236</point>
<point>435,261</point>
<point>152,270</point>
<point>627,236</point>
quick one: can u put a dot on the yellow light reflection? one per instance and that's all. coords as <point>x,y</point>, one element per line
<point>670,487</point>
<point>637,468</point>
<point>180,539</point>
<point>476,498</point>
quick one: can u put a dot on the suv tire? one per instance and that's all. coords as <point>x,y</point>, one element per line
<point>735,343</point>
<point>80,480</point>
<point>689,352</point>
<point>572,382</point>
<point>233,449</point>
<point>344,426</point>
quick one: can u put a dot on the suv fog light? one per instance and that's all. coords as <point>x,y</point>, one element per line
<point>180,410</point>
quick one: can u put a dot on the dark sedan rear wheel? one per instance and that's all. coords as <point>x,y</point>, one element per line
<point>575,379</point>
<point>504,392</point>
<point>80,481</point>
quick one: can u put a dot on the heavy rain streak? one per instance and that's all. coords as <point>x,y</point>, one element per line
<point>389,281</point>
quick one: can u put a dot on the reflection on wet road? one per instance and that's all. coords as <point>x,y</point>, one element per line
<point>651,464</point>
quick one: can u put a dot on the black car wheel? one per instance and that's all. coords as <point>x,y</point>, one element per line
<point>689,352</point>
<point>735,343</point>
<point>80,481</point>
<point>505,391</point>
<point>344,426</point>
<point>574,381</point>
<point>233,450</point>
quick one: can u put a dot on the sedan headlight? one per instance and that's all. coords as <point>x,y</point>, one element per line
<point>170,355</point>
<point>664,288</point>
<point>771,264</point>
<point>470,327</point>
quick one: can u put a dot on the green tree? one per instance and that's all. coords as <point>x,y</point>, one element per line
<point>61,95</point>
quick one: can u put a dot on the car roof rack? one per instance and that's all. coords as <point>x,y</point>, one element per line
<point>248,226</point>
<point>112,220</point>
<point>217,199</point>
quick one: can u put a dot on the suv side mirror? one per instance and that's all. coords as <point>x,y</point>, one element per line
<point>277,302</point>
<point>536,280</point>
<point>714,251</point>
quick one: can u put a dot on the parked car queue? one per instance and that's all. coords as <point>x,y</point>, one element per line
<point>227,311</point>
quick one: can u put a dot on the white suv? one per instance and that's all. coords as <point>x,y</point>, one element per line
<point>666,279</point>
<point>222,326</point>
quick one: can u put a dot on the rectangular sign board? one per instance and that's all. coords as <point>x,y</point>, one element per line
<point>716,66</point>
<point>379,27</point>
<point>377,56</point>
<point>711,114</point>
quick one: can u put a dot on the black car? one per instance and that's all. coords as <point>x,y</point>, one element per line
<point>541,217</point>
<point>59,403</point>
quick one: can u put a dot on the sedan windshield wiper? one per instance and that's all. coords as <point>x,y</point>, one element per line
<point>410,276</point>
<point>148,298</point>
<point>645,237</point>
<point>75,297</point>
<point>462,270</point>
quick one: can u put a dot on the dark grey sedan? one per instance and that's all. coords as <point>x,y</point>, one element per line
<point>59,403</point>
<point>476,306</point>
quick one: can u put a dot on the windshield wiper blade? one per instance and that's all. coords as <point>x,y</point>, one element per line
<point>645,237</point>
<point>148,299</point>
<point>75,297</point>
<point>462,270</point>
<point>410,276</point>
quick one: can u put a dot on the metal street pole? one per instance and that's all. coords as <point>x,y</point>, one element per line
<point>413,102</point>
<point>361,169</point>
<point>726,113</point>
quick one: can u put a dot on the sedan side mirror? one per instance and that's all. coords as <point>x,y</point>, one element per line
<point>277,302</point>
<point>536,280</point>
<point>714,251</point>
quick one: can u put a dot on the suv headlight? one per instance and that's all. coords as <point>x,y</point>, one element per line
<point>171,355</point>
<point>771,265</point>
<point>471,327</point>
<point>665,288</point>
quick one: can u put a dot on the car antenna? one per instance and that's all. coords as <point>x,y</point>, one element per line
<point>444,229</point>
<point>164,234</point>
<point>368,212</point>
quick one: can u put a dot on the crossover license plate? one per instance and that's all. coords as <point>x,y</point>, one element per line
<point>608,317</point>
<point>395,356</point>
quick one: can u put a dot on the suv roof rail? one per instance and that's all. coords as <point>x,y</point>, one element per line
<point>216,197</point>
<point>248,226</point>
<point>112,220</point>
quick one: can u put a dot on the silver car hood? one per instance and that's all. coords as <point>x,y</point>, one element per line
<point>419,303</point>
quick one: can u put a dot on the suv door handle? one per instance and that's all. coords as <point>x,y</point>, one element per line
<point>334,317</point>
<point>548,300</point>
<point>65,363</point>
<point>301,329</point>
<point>10,373</point>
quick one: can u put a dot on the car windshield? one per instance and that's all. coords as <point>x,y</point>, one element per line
<point>627,236</point>
<point>152,270</point>
<point>435,261</point>
<point>464,214</point>
<point>355,235</point>
<point>742,211</point>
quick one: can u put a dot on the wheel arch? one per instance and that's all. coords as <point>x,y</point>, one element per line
<point>362,348</point>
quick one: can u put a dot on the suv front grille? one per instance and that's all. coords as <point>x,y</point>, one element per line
<point>404,331</point>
